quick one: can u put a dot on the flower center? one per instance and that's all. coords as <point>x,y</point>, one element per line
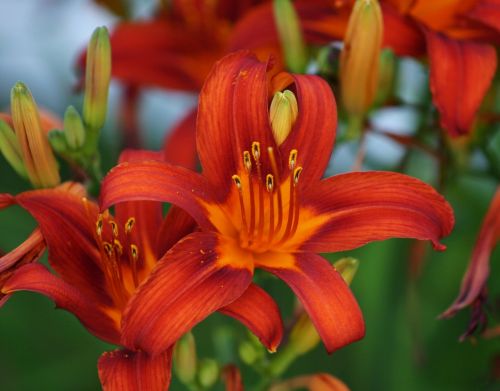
<point>269,205</point>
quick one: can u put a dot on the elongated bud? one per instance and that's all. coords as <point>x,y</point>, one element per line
<point>359,60</point>
<point>58,141</point>
<point>283,114</point>
<point>185,358</point>
<point>387,76</point>
<point>11,150</point>
<point>208,372</point>
<point>303,335</point>
<point>290,33</point>
<point>74,130</point>
<point>97,77</point>
<point>39,161</point>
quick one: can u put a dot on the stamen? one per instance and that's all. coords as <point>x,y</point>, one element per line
<point>292,159</point>
<point>269,183</point>
<point>134,255</point>
<point>274,166</point>
<point>98,225</point>
<point>256,150</point>
<point>118,247</point>
<point>129,225</point>
<point>237,181</point>
<point>270,188</point>
<point>296,175</point>
<point>114,228</point>
<point>108,248</point>
<point>247,161</point>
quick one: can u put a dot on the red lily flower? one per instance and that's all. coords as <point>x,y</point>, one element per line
<point>102,262</point>
<point>262,204</point>
<point>456,35</point>
<point>473,289</point>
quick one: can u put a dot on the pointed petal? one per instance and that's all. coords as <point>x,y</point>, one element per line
<point>176,224</point>
<point>313,134</point>
<point>474,280</point>
<point>461,73</point>
<point>157,181</point>
<point>180,145</point>
<point>260,313</point>
<point>362,207</point>
<point>232,113</point>
<point>36,278</point>
<point>67,223</point>
<point>123,370</point>
<point>326,297</point>
<point>196,277</point>
<point>487,12</point>
<point>6,200</point>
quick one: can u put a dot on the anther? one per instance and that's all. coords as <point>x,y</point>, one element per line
<point>237,181</point>
<point>108,248</point>
<point>292,160</point>
<point>269,183</point>
<point>129,225</point>
<point>134,252</point>
<point>296,175</point>
<point>118,247</point>
<point>247,161</point>
<point>256,150</point>
<point>98,226</point>
<point>114,228</point>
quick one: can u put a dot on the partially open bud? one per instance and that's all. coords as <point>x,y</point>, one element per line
<point>290,33</point>
<point>39,161</point>
<point>283,114</point>
<point>359,60</point>
<point>97,77</point>
<point>74,130</point>
<point>185,358</point>
<point>11,150</point>
<point>303,335</point>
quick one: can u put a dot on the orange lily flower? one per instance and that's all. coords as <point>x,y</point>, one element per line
<point>457,36</point>
<point>262,204</point>
<point>101,262</point>
<point>473,290</point>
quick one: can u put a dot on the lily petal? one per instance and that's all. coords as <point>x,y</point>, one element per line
<point>176,224</point>
<point>36,278</point>
<point>180,146</point>
<point>313,134</point>
<point>362,207</point>
<point>123,370</point>
<point>157,181</point>
<point>474,280</point>
<point>326,297</point>
<point>67,223</point>
<point>461,73</point>
<point>260,313</point>
<point>487,12</point>
<point>233,102</point>
<point>195,278</point>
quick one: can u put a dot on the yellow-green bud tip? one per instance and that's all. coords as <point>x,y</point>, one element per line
<point>347,267</point>
<point>74,130</point>
<point>283,114</point>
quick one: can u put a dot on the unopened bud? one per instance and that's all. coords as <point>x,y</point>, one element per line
<point>290,33</point>
<point>97,77</point>
<point>11,150</point>
<point>249,353</point>
<point>39,161</point>
<point>283,114</point>
<point>303,335</point>
<point>74,130</point>
<point>58,141</point>
<point>359,60</point>
<point>208,372</point>
<point>185,358</point>
<point>387,76</point>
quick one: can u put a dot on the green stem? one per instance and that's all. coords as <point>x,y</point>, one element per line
<point>354,127</point>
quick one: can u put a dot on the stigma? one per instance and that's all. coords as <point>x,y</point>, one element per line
<point>268,201</point>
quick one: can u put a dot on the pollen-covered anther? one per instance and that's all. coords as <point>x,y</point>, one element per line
<point>108,247</point>
<point>256,151</point>
<point>237,181</point>
<point>129,225</point>
<point>134,252</point>
<point>269,183</point>
<point>247,161</point>
<point>114,228</point>
<point>292,159</point>
<point>296,175</point>
<point>98,226</point>
<point>118,247</point>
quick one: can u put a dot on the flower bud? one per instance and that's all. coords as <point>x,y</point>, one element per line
<point>387,76</point>
<point>208,372</point>
<point>283,114</point>
<point>185,358</point>
<point>290,33</point>
<point>303,335</point>
<point>74,130</point>
<point>11,150</point>
<point>97,77</point>
<point>359,60</point>
<point>39,161</point>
